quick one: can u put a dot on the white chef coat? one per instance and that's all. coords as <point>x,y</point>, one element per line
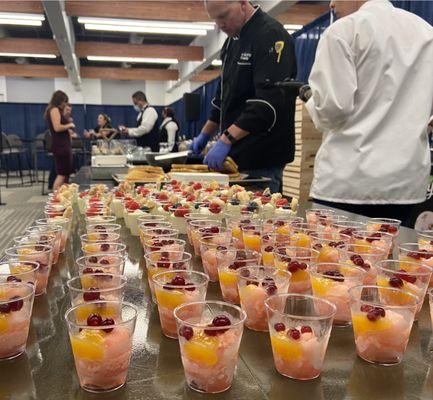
<point>150,116</point>
<point>171,129</point>
<point>372,96</point>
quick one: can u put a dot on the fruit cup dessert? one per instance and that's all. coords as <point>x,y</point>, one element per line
<point>209,248</point>
<point>173,289</point>
<point>381,323</point>
<point>210,333</point>
<point>162,261</point>
<point>228,262</point>
<point>209,229</point>
<point>411,277</point>
<point>191,218</point>
<point>148,230</point>
<point>38,239</point>
<point>328,245</point>
<point>299,326</point>
<point>300,234</point>
<point>332,281</point>
<point>319,216</point>
<point>269,244</point>
<point>99,237</point>
<point>106,247</point>
<point>368,260</point>
<point>347,227</point>
<point>163,244</point>
<point>41,254</point>
<point>235,223</point>
<point>100,219</point>
<point>430,298</point>
<point>279,225</point>
<point>16,303</point>
<point>45,232</point>
<point>102,345</point>
<point>413,252</point>
<point>101,263</point>
<point>64,223</point>
<point>255,285</point>
<point>425,240</point>
<point>16,271</point>
<point>252,236</point>
<point>114,228</point>
<point>362,238</point>
<point>296,260</point>
<point>387,225</point>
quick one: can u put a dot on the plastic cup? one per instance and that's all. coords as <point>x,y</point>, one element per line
<point>195,226</point>
<point>228,262</point>
<point>99,237</point>
<point>146,226</point>
<point>101,263</point>
<point>65,223</point>
<point>189,218</point>
<point>154,233</point>
<point>49,230</point>
<point>347,227</point>
<point>19,271</point>
<point>235,223</point>
<point>381,322</point>
<point>319,216</point>
<point>362,238</point>
<point>300,234</point>
<point>100,219</point>
<point>173,289</point>
<point>103,248</point>
<point>162,261</point>
<point>332,282</point>
<point>269,243</point>
<point>430,297</point>
<point>252,236</point>
<point>210,333</point>
<point>413,252</point>
<point>255,285</point>
<point>41,254</point>
<point>16,303</point>
<point>408,276</point>
<point>299,327</point>
<point>209,248</point>
<point>114,228</point>
<point>296,260</point>
<point>163,244</point>
<point>425,240</point>
<point>328,245</point>
<point>388,225</point>
<point>102,353</point>
<point>37,238</point>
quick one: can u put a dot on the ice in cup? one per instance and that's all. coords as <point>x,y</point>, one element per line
<point>105,247</point>
<point>319,216</point>
<point>299,326</point>
<point>16,303</point>
<point>381,322</point>
<point>114,228</point>
<point>210,333</point>
<point>228,262</point>
<point>255,285</point>
<point>332,281</point>
<point>296,260</point>
<point>48,231</point>
<point>18,271</point>
<point>413,252</point>
<point>362,238</point>
<point>162,261</point>
<point>252,236</point>
<point>368,260</point>
<point>411,277</point>
<point>102,344</point>
<point>209,248</point>
<point>101,263</point>
<point>202,227</point>
<point>328,245</point>
<point>173,289</point>
<point>88,288</point>
<point>41,254</point>
<point>163,244</point>
<point>425,240</point>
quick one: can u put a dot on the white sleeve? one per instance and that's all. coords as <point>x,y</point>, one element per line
<point>333,83</point>
<point>150,116</point>
<point>171,129</point>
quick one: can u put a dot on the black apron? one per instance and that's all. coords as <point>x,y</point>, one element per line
<point>151,139</point>
<point>163,135</point>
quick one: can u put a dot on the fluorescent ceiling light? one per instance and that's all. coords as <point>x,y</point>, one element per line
<point>217,63</point>
<point>28,55</point>
<point>134,59</point>
<point>21,19</point>
<point>139,29</point>
<point>293,27</point>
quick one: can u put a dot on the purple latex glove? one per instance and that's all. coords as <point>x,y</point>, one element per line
<point>199,143</point>
<point>217,154</point>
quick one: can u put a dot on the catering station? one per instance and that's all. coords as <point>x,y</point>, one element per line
<point>216,199</point>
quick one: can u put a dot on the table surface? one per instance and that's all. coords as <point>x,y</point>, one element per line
<point>46,370</point>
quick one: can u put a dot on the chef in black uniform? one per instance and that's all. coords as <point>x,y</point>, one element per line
<point>255,118</point>
<point>146,132</point>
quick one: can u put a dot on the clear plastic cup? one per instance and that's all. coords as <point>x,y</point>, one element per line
<point>194,228</point>
<point>388,225</point>
<point>42,254</point>
<point>99,237</point>
<point>299,327</point>
<point>101,263</point>
<point>430,297</point>
<point>381,322</point>
<point>332,282</point>
<point>16,303</point>
<point>65,223</point>
<point>209,248</point>
<point>102,345</point>
<point>163,244</point>
<point>190,217</point>
<point>154,233</point>
<point>235,223</point>
<point>300,234</point>
<point>413,252</point>
<point>255,285</point>
<point>269,243</point>
<point>19,271</point>
<point>100,219</point>
<point>49,230</point>
<point>228,262</point>
<point>347,227</point>
<point>328,245</point>
<point>106,247</point>
<point>162,261</point>
<point>115,228</point>
<point>408,276</point>
<point>210,333</point>
<point>146,227</point>
<point>280,225</point>
<point>425,240</point>
<point>368,260</point>
<point>252,236</point>
<point>37,238</point>
<point>296,260</point>
<point>319,216</point>
<point>362,238</point>
<point>173,289</point>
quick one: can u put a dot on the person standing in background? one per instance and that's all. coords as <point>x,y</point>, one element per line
<point>103,126</point>
<point>61,141</point>
<point>68,115</point>
<point>371,95</point>
<point>169,129</point>
<point>146,131</point>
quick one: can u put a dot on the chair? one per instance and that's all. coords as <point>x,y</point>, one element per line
<point>20,150</point>
<point>43,143</point>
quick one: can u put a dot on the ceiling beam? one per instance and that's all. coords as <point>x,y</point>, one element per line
<point>129,74</point>
<point>147,10</point>
<point>206,75</point>
<point>29,7</point>
<point>33,70</point>
<point>63,33</point>
<point>33,46</point>
<point>182,53</point>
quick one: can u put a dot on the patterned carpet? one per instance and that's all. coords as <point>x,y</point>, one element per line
<point>23,206</point>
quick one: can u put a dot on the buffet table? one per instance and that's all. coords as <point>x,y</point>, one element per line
<point>46,370</point>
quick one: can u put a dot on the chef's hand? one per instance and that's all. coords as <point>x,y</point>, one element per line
<point>199,143</point>
<point>123,129</point>
<point>217,154</point>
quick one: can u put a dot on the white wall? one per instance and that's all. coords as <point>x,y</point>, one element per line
<point>155,92</point>
<point>3,91</point>
<point>120,92</point>
<point>29,90</point>
<point>90,90</point>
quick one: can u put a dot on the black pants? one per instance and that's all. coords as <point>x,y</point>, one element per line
<point>396,211</point>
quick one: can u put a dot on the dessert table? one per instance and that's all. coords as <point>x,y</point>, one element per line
<point>46,370</point>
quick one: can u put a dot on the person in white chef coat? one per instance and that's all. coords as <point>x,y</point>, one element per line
<point>371,94</point>
<point>146,132</point>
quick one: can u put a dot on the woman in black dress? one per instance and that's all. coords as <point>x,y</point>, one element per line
<point>61,147</point>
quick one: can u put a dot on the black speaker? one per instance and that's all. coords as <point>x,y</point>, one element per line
<point>191,106</point>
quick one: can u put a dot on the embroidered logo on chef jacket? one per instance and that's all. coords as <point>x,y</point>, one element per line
<point>279,46</point>
<point>245,59</point>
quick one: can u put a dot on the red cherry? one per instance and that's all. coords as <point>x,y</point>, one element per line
<point>105,247</point>
<point>269,249</point>
<point>407,278</point>
<point>197,186</point>
<point>93,259</point>
<point>178,281</point>
<point>396,282</point>
<point>17,304</point>
<point>181,212</point>
<point>162,197</point>
<point>108,322</point>
<point>294,333</point>
<point>214,229</point>
<point>13,279</point>
<point>366,308</point>
<point>279,327</point>
<point>94,320</point>
<point>293,266</point>
<point>104,261</point>
<point>306,329</point>
<point>5,308</point>
<point>92,295</point>
<point>187,332</point>
<point>87,270</point>
<point>271,289</point>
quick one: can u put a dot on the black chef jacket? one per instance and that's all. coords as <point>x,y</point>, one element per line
<point>263,53</point>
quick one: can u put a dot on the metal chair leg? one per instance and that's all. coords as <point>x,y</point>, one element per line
<point>20,168</point>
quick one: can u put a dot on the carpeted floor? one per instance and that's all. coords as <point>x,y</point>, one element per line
<point>23,206</point>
